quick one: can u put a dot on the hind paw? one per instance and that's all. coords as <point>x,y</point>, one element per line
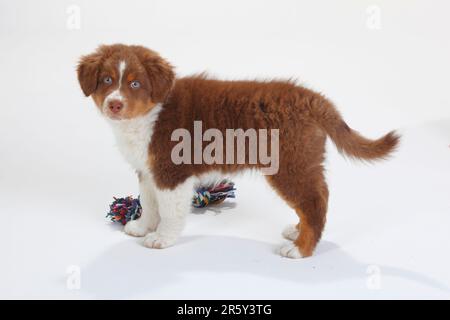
<point>290,250</point>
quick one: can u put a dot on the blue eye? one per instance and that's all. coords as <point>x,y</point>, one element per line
<point>107,80</point>
<point>135,84</point>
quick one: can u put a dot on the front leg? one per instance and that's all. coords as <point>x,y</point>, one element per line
<point>149,219</point>
<point>173,206</point>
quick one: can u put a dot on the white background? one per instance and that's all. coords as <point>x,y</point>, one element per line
<point>388,231</point>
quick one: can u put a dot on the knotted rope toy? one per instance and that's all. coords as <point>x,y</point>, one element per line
<point>126,209</point>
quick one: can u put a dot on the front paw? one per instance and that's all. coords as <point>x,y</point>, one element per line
<point>136,229</point>
<point>157,241</point>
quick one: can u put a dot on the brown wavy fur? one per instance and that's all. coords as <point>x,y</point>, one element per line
<point>304,119</point>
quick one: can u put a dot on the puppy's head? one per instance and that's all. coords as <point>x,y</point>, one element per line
<point>125,81</point>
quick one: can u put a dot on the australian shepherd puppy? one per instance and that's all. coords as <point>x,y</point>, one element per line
<point>136,90</point>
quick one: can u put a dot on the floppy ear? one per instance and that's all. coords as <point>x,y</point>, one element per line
<point>159,71</point>
<point>88,69</point>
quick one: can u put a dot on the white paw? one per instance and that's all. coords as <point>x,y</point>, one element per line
<point>156,241</point>
<point>135,228</point>
<point>290,250</point>
<point>290,232</point>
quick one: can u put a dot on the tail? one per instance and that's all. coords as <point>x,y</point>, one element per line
<point>348,141</point>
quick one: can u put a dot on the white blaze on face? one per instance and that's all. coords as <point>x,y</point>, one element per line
<point>122,66</point>
<point>116,95</point>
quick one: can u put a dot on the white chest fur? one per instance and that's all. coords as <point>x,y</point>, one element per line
<point>133,138</point>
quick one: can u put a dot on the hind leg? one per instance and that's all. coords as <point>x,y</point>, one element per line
<point>291,232</point>
<point>307,193</point>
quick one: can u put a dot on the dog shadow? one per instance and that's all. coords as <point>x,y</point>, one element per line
<point>129,269</point>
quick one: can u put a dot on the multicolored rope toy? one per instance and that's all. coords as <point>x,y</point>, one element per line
<point>126,209</point>
<point>213,194</point>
